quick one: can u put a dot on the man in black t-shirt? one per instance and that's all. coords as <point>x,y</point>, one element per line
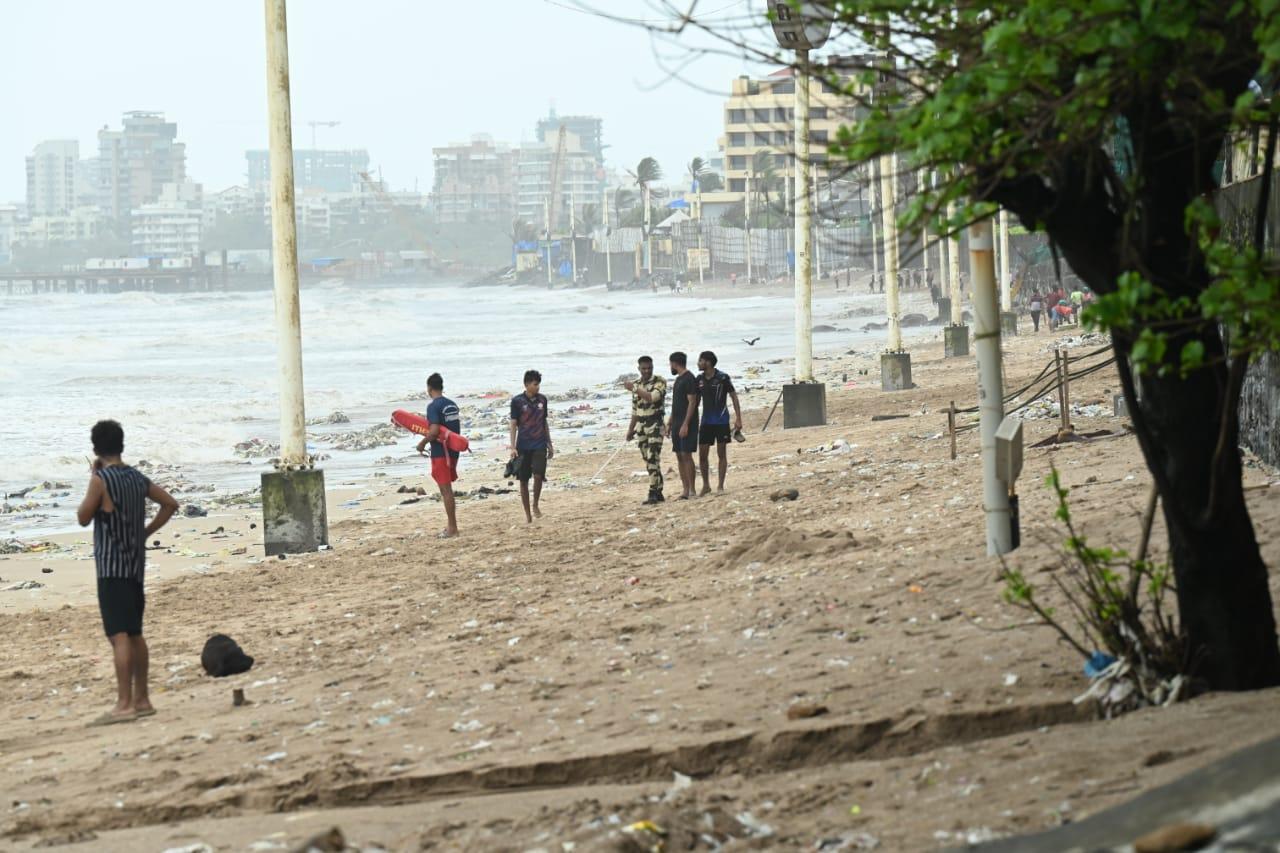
<point>683,425</point>
<point>717,391</point>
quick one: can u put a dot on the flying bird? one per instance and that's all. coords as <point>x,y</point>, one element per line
<point>751,342</point>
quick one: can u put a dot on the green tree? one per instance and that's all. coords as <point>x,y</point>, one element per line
<point>1100,123</point>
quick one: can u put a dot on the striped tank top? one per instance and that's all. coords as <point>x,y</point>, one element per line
<point>119,537</point>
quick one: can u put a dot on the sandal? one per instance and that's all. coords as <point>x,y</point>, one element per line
<point>110,718</point>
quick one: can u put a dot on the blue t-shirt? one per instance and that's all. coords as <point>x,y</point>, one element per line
<point>715,397</point>
<point>530,415</point>
<point>443,411</point>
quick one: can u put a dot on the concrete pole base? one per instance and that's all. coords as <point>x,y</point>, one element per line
<point>1008,323</point>
<point>956,341</point>
<point>895,371</point>
<point>804,404</point>
<point>294,517</point>
<point>944,310</point>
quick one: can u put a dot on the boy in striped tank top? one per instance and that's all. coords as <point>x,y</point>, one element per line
<point>116,503</point>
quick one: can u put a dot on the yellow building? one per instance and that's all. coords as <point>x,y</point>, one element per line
<point>759,116</point>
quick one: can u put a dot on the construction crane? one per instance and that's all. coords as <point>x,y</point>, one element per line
<point>556,161</point>
<point>315,124</point>
<point>408,224</point>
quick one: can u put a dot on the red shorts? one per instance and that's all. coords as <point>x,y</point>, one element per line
<point>444,470</point>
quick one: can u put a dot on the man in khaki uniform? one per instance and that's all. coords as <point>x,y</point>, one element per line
<point>648,398</point>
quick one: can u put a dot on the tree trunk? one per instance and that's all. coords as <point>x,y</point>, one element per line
<point>1224,601</point>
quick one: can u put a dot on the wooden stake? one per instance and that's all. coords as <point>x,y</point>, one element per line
<point>951,426</point>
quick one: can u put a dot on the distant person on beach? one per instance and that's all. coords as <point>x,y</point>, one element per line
<point>531,441</point>
<point>116,503</point>
<point>682,426</point>
<point>1035,307</point>
<point>648,404</point>
<point>715,389</point>
<point>442,412</point>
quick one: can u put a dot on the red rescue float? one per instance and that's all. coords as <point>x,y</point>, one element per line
<point>416,423</point>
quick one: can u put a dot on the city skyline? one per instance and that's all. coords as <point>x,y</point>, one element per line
<point>611,69</point>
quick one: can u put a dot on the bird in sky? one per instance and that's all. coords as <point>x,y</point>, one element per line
<point>751,342</point>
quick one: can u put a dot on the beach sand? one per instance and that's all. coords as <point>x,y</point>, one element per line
<point>523,687</point>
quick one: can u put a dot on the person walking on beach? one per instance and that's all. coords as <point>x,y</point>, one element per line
<point>531,441</point>
<point>682,426</point>
<point>442,412</point>
<point>1035,307</point>
<point>648,404</point>
<point>715,389</point>
<point>116,503</point>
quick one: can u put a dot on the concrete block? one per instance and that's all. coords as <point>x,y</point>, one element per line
<point>956,341</point>
<point>944,310</point>
<point>294,517</point>
<point>895,371</point>
<point>1008,323</point>
<point>804,404</point>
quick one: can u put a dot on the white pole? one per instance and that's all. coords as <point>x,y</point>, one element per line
<point>804,253</point>
<point>817,231</point>
<point>573,234</point>
<point>888,195</point>
<point>953,255</point>
<point>875,247</point>
<point>922,183</point>
<point>986,328</point>
<point>1006,285</point>
<point>747,221</point>
<point>700,238</point>
<point>608,256</point>
<point>648,235</point>
<point>547,228</point>
<point>284,230</point>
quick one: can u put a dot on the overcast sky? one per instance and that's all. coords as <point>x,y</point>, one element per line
<point>401,75</point>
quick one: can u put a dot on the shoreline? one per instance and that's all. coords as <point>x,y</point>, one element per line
<point>233,477</point>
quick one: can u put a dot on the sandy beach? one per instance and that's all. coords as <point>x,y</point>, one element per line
<point>833,672</point>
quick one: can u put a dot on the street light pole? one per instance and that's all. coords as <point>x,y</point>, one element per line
<point>804,250</point>
<point>608,256</point>
<point>293,501</point>
<point>802,27</point>
<point>986,328</point>
<point>888,192</point>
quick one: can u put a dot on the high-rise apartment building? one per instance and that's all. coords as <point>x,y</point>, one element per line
<point>136,161</point>
<point>759,117</point>
<point>335,171</point>
<point>588,129</point>
<point>579,179</point>
<point>170,226</point>
<point>475,180</point>
<point>51,177</point>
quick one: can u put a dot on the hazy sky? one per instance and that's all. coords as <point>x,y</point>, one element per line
<point>401,75</point>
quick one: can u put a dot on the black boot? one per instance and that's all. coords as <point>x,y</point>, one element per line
<point>658,498</point>
<point>651,499</point>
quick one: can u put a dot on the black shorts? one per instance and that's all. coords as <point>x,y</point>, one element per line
<point>532,462</point>
<point>122,602</point>
<point>688,444</point>
<point>713,434</point>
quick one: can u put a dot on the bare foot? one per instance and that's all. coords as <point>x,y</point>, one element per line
<point>537,513</point>
<point>144,707</point>
<point>706,490</point>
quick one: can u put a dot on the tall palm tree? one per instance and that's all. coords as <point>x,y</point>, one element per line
<point>623,199</point>
<point>646,173</point>
<point>764,173</point>
<point>697,171</point>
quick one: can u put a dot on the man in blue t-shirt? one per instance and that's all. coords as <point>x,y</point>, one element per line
<point>715,389</point>
<point>442,412</point>
<point>531,441</point>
